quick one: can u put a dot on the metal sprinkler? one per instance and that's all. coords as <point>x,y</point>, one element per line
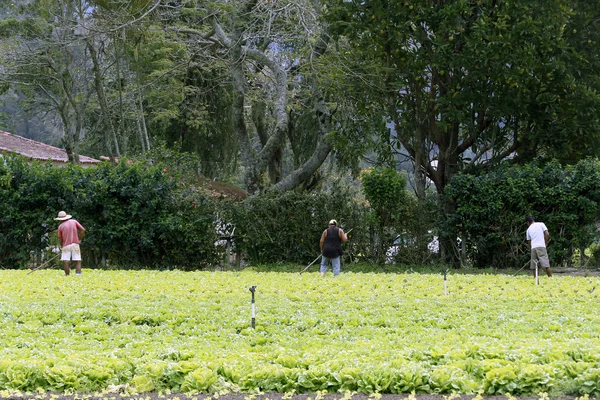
<point>537,275</point>
<point>252,290</point>
<point>445,286</point>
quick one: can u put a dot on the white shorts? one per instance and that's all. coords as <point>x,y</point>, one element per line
<point>71,252</point>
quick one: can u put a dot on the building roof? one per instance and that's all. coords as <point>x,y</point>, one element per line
<point>34,150</point>
<point>221,189</point>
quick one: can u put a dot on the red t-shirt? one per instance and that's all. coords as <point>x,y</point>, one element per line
<point>67,232</point>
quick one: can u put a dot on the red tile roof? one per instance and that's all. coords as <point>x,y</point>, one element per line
<point>36,150</point>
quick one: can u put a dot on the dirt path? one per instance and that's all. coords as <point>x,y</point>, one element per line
<point>575,272</point>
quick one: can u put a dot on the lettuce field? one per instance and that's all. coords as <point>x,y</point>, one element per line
<point>368,333</point>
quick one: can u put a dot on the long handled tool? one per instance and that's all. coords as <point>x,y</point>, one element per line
<point>319,256</point>
<point>43,264</point>
<point>529,262</point>
<point>310,265</point>
<point>524,265</point>
<point>445,285</point>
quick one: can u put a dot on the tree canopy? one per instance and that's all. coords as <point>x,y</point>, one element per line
<point>468,84</point>
<point>272,94</point>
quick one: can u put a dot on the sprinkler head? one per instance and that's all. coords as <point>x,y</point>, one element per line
<point>252,289</point>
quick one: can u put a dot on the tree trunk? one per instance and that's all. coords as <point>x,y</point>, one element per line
<point>272,148</point>
<point>68,139</point>
<point>323,119</point>
<point>144,139</point>
<point>300,175</point>
<point>102,101</point>
<point>255,165</point>
<point>275,168</point>
<point>247,153</point>
<point>120,90</point>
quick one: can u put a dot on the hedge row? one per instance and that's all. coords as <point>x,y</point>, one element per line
<point>133,214</point>
<point>287,227</point>
<point>141,216</point>
<point>489,212</point>
<point>144,216</point>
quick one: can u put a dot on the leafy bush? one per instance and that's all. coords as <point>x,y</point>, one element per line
<point>275,228</point>
<point>31,200</point>
<point>416,232</point>
<point>138,215</point>
<point>489,211</point>
<point>141,216</point>
<point>133,214</point>
<point>385,189</point>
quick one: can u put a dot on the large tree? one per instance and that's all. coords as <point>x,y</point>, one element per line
<point>101,67</point>
<point>43,57</point>
<point>468,84</point>
<point>279,108</point>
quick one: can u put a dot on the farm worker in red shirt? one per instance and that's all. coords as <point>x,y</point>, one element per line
<point>69,240</point>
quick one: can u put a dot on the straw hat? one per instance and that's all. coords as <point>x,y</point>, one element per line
<point>333,222</point>
<point>63,216</point>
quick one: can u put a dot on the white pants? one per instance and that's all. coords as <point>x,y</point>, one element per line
<point>71,252</point>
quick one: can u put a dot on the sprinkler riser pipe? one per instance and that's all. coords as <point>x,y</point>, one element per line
<point>253,312</point>
<point>445,284</point>
<point>253,321</point>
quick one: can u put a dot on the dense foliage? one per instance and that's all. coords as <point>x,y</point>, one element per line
<point>269,91</point>
<point>153,217</point>
<point>490,210</point>
<point>367,333</point>
<point>467,84</point>
<point>288,227</point>
<point>137,215</point>
<point>385,189</point>
<point>210,78</point>
<point>133,214</point>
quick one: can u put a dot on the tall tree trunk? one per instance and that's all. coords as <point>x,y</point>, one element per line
<point>120,90</point>
<point>255,164</point>
<point>140,133</point>
<point>323,118</point>
<point>78,108</point>
<point>98,80</point>
<point>273,146</point>
<point>142,118</point>
<point>300,175</point>
<point>247,153</point>
<point>68,140</point>
<point>275,168</point>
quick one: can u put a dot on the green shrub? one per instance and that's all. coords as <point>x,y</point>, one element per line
<point>31,200</point>
<point>287,228</point>
<point>134,215</point>
<point>489,210</point>
<point>140,216</point>
<point>385,189</point>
